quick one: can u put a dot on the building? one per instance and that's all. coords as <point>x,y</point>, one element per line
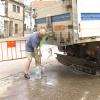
<point>28,18</point>
<point>49,11</point>
<point>12,18</point>
<point>57,16</point>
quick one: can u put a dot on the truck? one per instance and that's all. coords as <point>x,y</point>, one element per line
<point>74,26</point>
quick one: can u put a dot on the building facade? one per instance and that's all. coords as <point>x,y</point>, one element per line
<point>12,18</point>
<point>27,20</point>
<point>57,17</point>
<point>53,14</point>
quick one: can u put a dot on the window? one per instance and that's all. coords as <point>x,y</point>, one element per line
<point>40,20</point>
<point>24,27</point>
<point>10,28</point>
<point>6,27</point>
<point>90,16</point>
<point>18,9</point>
<point>62,17</point>
<point>14,8</point>
<point>16,28</point>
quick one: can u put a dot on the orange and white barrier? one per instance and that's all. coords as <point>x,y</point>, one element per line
<point>11,50</point>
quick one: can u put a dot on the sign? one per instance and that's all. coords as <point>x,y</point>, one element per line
<point>11,44</point>
<point>59,27</point>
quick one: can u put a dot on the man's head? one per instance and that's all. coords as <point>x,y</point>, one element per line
<point>42,32</point>
<point>35,26</point>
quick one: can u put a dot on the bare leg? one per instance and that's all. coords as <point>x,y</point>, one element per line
<point>29,60</point>
<point>36,61</point>
<point>36,57</point>
<point>39,59</point>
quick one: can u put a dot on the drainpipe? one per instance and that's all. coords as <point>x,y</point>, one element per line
<point>23,18</point>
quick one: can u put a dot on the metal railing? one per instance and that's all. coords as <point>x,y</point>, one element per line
<point>12,50</point>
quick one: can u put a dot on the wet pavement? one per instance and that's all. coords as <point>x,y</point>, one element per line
<point>58,82</point>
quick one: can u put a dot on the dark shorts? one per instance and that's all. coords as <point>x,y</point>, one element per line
<point>30,55</point>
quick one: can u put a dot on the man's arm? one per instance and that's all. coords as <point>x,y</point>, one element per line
<point>43,41</point>
<point>37,53</point>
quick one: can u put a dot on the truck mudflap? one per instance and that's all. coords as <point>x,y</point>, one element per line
<point>79,63</point>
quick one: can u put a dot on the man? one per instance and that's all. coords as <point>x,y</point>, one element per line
<point>35,28</point>
<point>33,50</point>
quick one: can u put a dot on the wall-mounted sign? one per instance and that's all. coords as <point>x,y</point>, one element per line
<point>59,27</point>
<point>11,44</point>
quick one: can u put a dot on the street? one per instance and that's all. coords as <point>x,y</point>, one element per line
<point>72,27</point>
<point>58,82</point>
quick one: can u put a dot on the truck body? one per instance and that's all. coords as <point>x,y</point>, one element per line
<point>75,28</point>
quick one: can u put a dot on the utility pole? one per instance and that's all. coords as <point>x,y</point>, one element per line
<point>30,19</point>
<point>23,18</point>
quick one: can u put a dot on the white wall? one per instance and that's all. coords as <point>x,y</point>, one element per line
<point>89,27</point>
<point>2,8</point>
<point>1,25</point>
<point>27,2</point>
<point>2,13</point>
<point>51,10</point>
<point>27,20</point>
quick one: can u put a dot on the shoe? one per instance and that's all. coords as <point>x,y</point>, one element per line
<point>26,76</point>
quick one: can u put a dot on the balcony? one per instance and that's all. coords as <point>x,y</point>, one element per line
<point>20,2</point>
